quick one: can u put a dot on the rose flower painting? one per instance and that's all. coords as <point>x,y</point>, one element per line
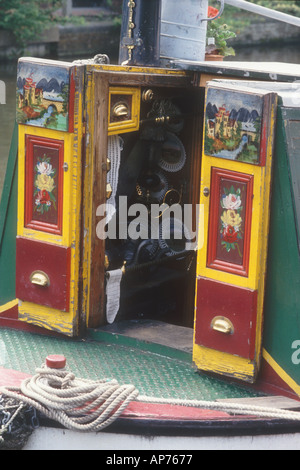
<point>231,220</point>
<point>44,185</point>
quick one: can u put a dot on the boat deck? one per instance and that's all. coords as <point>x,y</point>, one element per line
<point>144,359</point>
<point>139,353</point>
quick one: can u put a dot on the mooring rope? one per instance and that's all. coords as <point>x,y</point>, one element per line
<point>86,405</point>
<point>235,408</point>
<point>77,404</point>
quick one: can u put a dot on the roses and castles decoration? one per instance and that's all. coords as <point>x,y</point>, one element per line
<point>44,185</point>
<point>231,220</point>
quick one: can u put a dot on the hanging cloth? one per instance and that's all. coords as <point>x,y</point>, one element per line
<point>113,288</point>
<point>115,147</point>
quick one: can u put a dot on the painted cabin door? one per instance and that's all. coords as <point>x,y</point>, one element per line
<point>49,194</point>
<point>235,194</point>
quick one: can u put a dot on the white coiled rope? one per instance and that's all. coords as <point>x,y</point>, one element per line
<point>86,405</point>
<point>77,404</point>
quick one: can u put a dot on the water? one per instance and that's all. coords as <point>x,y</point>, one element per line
<point>7,115</point>
<point>232,154</point>
<point>287,54</point>
<point>41,122</point>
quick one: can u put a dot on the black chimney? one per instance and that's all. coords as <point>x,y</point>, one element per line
<point>140,33</point>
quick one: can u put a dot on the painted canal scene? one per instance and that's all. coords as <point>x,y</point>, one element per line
<point>150,234</point>
<point>233,126</point>
<point>43,96</point>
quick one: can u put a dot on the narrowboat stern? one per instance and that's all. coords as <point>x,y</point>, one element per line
<point>150,235</point>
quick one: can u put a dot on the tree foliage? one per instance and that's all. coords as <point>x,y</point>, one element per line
<point>292,7</point>
<point>27,18</point>
<point>237,19</point>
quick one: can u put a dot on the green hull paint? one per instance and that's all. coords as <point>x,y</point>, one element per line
<point>282,302</point>
<point>8,225</point>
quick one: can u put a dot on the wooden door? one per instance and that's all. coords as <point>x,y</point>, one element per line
<point>235,196</point>
<point>114,98</point>
<point>49,194</point>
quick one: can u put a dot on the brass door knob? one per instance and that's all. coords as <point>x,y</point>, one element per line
<point>120,110</point>
<point>223,325</point>
<point>39,278</point>
<point>206,192</point>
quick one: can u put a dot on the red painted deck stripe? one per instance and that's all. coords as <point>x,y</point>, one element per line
<point>170,412</point>
<point>11,378</point>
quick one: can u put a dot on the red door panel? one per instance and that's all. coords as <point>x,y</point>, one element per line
<point>235,305</point>
<point>48,261</point>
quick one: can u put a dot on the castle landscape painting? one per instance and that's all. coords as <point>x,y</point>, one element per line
<point>233,125</point>
<point>43,96</point>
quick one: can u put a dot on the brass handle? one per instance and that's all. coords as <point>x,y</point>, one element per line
<point>39,278</point>
<point>148,95</point>
<point>206,192</point>
<point>223,325</point>
<point>120,110</point>
<point>123,269</point>
<point>108,190</point>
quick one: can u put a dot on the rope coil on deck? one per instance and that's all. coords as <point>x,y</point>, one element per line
<point>77,404</point>
<point>86,405</point>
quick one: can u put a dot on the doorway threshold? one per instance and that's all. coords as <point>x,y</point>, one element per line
<point>162,338</point>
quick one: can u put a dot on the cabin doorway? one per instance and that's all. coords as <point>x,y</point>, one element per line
<point>149,145</point>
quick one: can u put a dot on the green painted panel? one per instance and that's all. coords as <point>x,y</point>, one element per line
<point>282,301</point>
<point>292,134</point>
<point>8,225</point>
